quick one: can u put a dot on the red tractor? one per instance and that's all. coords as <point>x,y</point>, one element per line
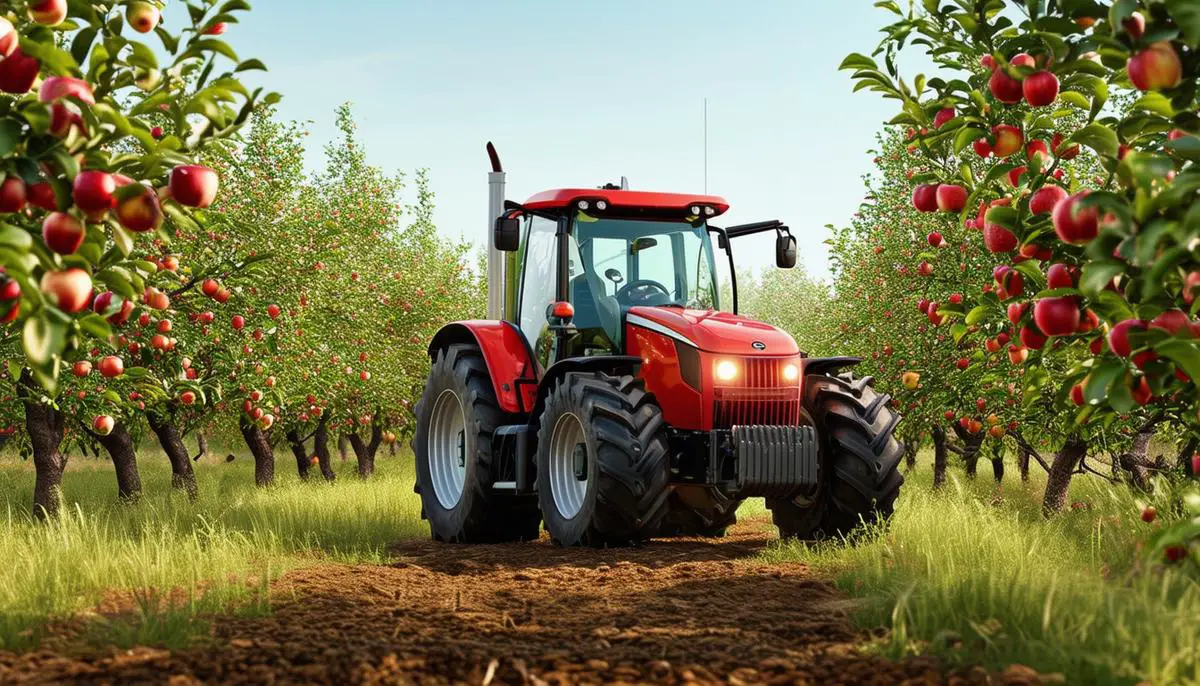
<point>614,396</point>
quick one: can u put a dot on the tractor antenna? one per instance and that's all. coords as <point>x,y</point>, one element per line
<point>706,146</point>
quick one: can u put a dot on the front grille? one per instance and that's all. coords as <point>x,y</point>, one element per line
<point>761,398</point>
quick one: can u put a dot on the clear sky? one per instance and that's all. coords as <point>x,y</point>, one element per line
<point>580,93</point>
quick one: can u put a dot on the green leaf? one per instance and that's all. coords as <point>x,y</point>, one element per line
<point>251,65</point>
<point>978,314</point>
<point>1075,98</point>
<point>10,135</point>
<point>97,326</point>
<point>1100,380</point>
<point>142,56</point>
<point>1098,137</point>
<point>43,339</point>
<point>1097,275</point>
<point>1185,353</point>
<point>857,61</point>
<point>83,44</point>
<point>17,238</point>
<point>1186,14</point>
<point>967,135</point>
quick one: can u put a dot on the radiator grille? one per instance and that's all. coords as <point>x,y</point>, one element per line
<point>760,396</point>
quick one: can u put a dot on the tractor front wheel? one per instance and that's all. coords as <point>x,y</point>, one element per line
<point>602,461</point>
<point>456,418</point>
<point>860,460</point>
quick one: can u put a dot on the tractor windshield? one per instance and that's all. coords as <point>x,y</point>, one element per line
<point>621,263</point>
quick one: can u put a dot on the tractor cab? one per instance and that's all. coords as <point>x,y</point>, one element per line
<point>614,393</point>
<point>606,251</point>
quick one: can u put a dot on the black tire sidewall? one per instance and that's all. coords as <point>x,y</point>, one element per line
<point>563,530</point>
<point>449,524</point>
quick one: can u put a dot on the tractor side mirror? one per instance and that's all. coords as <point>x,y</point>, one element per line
<point>507,233</point>
<point>785,252</point>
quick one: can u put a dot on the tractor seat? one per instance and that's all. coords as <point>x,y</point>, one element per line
<point>592,312</point>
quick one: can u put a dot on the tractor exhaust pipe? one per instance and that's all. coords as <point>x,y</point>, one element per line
<point>495,263</point>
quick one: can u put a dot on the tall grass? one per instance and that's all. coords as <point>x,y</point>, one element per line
<point>978,576</point>
<point>175,561</point>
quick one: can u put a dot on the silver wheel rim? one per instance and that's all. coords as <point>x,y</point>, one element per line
<point>566,486</point>
<point>447,449</point>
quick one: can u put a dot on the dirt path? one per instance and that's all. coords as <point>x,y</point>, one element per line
<point>675,611</point>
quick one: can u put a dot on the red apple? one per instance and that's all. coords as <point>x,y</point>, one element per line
<point>94,191</point>
<point>944,115</point>
<point>1059,276</point>
<point>18,72</point>
<point>1118,337</point>
<point>103,424</point>
<point>1088,322</point>
<point>1009,140</point>
<point>9,39</point>
<point>1156,68</point>
<point>111,367</point>
<point>12,194</point>
<point>41,195</point>
<point>56,88</point>
<point>238,322</point>
<point>951,198</point>
<point>1056,316</point>
<point>216,29</point>
<point>140,210</point>
<point>935,239</point>
<point>1191,286</point>
<point>62,233</point>
<point>1023,59</point>
<point>1067,153</point>
<point>1077,394</point>
<point>187,398</point>
<point>1015,174</point>
<point>210,287</point>
<point>924,197</point>
<point>998,239</point>
<point>962,363</point>
<point>70,289</point>
<point>48,12</point>
<point>1032,338</point>
<point>982,147</point>
<point>194,185</point>
<point>1046,198</point>
<point>1172,321</point>
<point>925,269</point>
<point>1075,226</point>
<point>1011,282</point>
<point>1017,354</point>
<point>1004,88</point>
<point>1142,395</point>
<point>142,16</point>
<point>1134,25</point>
<point>987,62</point>
<point>1016,311</point>
<point>1040,89</point>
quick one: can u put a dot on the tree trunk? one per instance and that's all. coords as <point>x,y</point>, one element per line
<point>201,446</point>
<point>300,451</point>
<point>182,476</point>
<point>321,450</point>
<point>45,427</point>
<point>365,452</point>
<point>1136,461</point>
<point>910,454</point>
<point>119,445</point>
<point>998,469</point>
<point>971,445</point>
<point>260,448</point>
<point>1061,470</point>
<point>343,446</point>
<point>392,448</point>
<point>1185,456</point>
<point>939,457</point>
<point>1023,463</point>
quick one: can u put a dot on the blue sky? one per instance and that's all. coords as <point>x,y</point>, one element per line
<point>578,94</point>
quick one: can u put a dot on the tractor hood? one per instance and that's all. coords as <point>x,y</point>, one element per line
<point>717,332</point>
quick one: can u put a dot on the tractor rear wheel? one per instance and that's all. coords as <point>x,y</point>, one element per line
<point>860,459</point>
<point>602,461</point>
<point>456,418</point>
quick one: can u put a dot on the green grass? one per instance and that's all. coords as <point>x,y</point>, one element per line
<point>977,579</point>
<point>180,561</point>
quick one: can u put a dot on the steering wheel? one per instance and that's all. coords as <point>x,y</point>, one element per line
<point>640,291</point>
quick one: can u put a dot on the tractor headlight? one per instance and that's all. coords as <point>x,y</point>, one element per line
<point>726,370</point>
<point>791,372</point>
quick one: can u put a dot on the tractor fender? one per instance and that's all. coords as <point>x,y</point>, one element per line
<point>609,364</point>
<point>509,360</point>
<point>827,365</point>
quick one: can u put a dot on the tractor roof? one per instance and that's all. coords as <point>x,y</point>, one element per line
<point>564,198</point>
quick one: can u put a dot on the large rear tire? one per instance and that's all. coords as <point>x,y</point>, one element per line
<point>456,418</point>
<point>603,461</point>
<point>860,459</point>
